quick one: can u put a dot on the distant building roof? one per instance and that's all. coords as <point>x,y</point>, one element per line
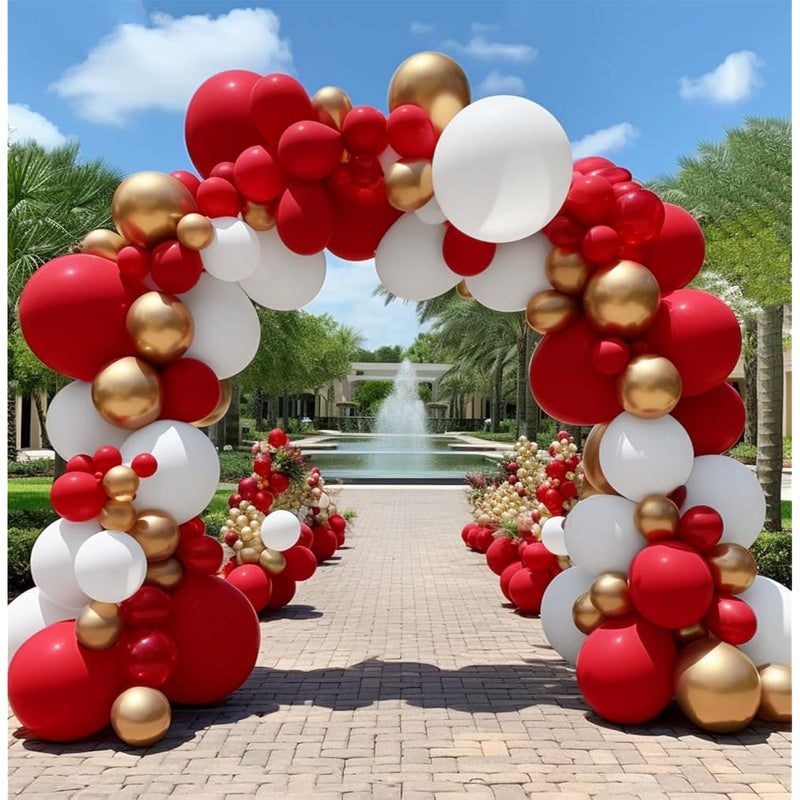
<point>387,371</point>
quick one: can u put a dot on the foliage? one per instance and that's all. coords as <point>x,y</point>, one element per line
<point>234,465</point>
<point>423,349</point>
<point>787,447</point>
<point>773,554</point>
<point>29,375</point>
<point>390,354</point>
<point>494,437</point>
<point>20,544</point>
<point>370,394</point>
<point>38,517</point>
<point>42,467</point>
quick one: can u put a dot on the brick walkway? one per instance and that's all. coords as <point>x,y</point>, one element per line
<point>398,673</point>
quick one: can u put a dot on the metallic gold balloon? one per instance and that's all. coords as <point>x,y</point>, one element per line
<point>161,327</point>
<point>609,594</point>
<point>248,555</point>
<point>121,483</point>
<point>221,408</point>
<point>259,216</point>
<point>690,634</point>
<point>566,270</point>
<point>147,206</point>
<point>433,81</point>
<point>621,299</point>
<point>195,231</point>
<point>273,561</point>
<point>717,686</point>
<point>550,311</point>
<point>141,716</point>
<point>564,562</point>
<point>157,533</point>
<point>591,461</point>
<point>166,574</point>
<point>237,546</point>
<point>585,615</point>
<point>118,515</point>
<point>463,290</point>
<point>103,243</point>
<point>656,517</point>
<point>331,104</point>
<point>732,567</point>
<point>776,693</point>
<point>99,625</point>
<point>409,184</point>
<point>649,387</point>
<point>127,393</point>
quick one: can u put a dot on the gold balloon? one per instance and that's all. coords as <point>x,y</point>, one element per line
<point>103,243</point>
<point>621,299</point>
<point>409,184</point>
<point>98,627</point>
<point>650,387</point>
<point>585,615</point>
<point>656,517</point>
<point>591,461</point>
<point>141,716</point>
<point>776,693</point>
<point>433,81</point>
<point>117,515</point>
<point>161,327</point>
<point>195,231</point>
<point>121,483</point>
<point>566,270</point>
<point>157,534</point>
<point>221,408</point>
<point>690,634</point>
<point>564,562</point>
<point>259,216</point>
<point>331,104</point>
<point>147,206</point>
<point>732,567</point>
<point>166,574</point>
<point>717,686</point>
<point>127,393</point>
<point>550,311</point>
<point>273,561</point>
<point>463,290</point>
<point>248,555</point>
<point>609,594</point>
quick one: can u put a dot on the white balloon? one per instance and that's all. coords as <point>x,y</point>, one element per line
<point>431,213</point>
<point>188,468</point>
<point>556,612</point>
<point>53,561</point>
<point>409,260</point>
<point>643,456</point>
<point>553,536</point>
<point>284,280</point>
<point>110,566</point>
<point>772,604</point>
<point>280,530</point>
<point>29,613</point>
<point>502,168</point>
<point>227,330</point>
<point>234,251</point>
<point>600,534</point>
<point>388,157</point>
<point>733,491</point>
<point>74,426</point>
<point>516,273</point>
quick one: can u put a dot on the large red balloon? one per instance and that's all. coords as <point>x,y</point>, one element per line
<point>700,335</point>
<point>190,390</point>
<point>625,669</point>
<point>501,553</point>
<point>253,582</point>
<point>714,420</point>
<point>72,312</point>
<point>59,689</point>
<point>675,254</point>
<point>526,589</point>
<point>277,101</point>
<point>464,255</point>
<point>202,554</point>
<point>309,150</point>
<point>217,635</point>
<point>304,217</point>
<point>219,124</point>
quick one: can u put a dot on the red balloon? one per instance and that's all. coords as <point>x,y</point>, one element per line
<point>301,563</point>
<point>263,501</point>
<point>258,176</point>
<point>306,536</point>
<point>526,589</point>
<point>283,589</point>
<point>556,469</point>
<point>278,482</point>
<point>149,658</point>
<point>410,131</point>
<point>637,216</point>
<point>217,197</point>
<point>77,496</point>
<point>144,465</point>
<point>611,356</point>
<point>675,254</point>
<point>148,608</point>
<point>234,500</point>
<point>247,488</point>
<point>309,150</point>
<point>324,544</point>
<point>192,528</point>
<point>506,575</point>
<point>337,523</point>
<point>464,255</point>
<point>223,170</point>
<point>471,537</point>
<point>467,529</point>
<point>568,490</point>
<point>364,131</point>
<point>591,163</point>
<point>700,335</point>
<point>538,558</point>
<point>278,101</point>
<point>700,527</point>
<point>253,582</point>
<point>190,391</point>
<point>625,670</point>
<point>106,457</point>
<point>217,635</point>
<point>670,584</point>
<point>483,539</point>
<point>731,619</point>
<point>188,179</point>
<point>501,553</point>
<point>590,199</point>
<point>714,420</point>
<point>202,554</point>
<point>613,175</point>
<point>277,438</point>
<point>133,262</point>
<point>564,231</point>
<point>175,268</point>
<point>601,243</point>
<point>262,465</point>
<point>81,463</point>
<point>304,217</point>
<point>218,123</point>
<point>339,539</point>
<point>231,537</point>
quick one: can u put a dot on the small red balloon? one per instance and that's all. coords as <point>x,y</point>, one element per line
<point>337,523</point>
<point>700,527</point>
<point>190,391</point>
<point>283,589</point>
<point>77,496</point>
<point>565,231</point>
<point>277,438</point>
<point>527,587</point>
<point>234,500</point>
<point>247,488</point>
<point>192,528</point>
<point>309,150</point>
<point>149,607</point>
<point>304,217</point>
<point>253,582</point>
<point>224,170</point>
<point>278,482</point>
<point>217,197</point>
<point>464,255</point>
<point>175,268</point>
<point>625,186</point>
<point>731,619</point>
<point>262,464</point>
<point>106,457</point>
<point>263,501</point>
<point>590,199</point>
<point>133,262</point>
<point>613,175</point>
<point>277,101</point>
<point>231,537</point>
<point>556,469</point>
<point>257,175</point>
<point>601,243</point>
<point>538,558</point>
<point>81,463</point>
<point>149,657</point>
<point>301,563</point>
<point>306,536</point>
<point>144,465</point>
<point>506,575</point>
<point>591,163</point>
<point>502,552</point>
<point>203,554</point>
<point>325,543</point>
<point>364,131</point>
<point>638,216</point>
<point>188,179</point>
<point>611,356</point>
<point>410,131</point>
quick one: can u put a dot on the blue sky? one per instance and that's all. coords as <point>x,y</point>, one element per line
<point>641,81</point>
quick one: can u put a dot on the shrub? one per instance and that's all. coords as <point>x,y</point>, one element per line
<point>42,467</point>
<point>773,555</point>
<point>235,465</point>
<point>38,518</point>
<point>20,544</point>
<point>214,520</point>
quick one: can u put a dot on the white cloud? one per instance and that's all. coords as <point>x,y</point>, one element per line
<point>736,78</point>
<point>25,124</point>
<point>498,83</point>
<point>140,67</point>
<point>482,48</point>
<point>484,27</point>
<point>421,28</point>
<point>606,140</point>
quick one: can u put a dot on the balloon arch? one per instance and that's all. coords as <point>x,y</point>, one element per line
<point>151,322</point>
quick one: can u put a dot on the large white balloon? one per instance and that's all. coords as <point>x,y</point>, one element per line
<point>431,213</point>
<point>502,168</point>
<point>188,468</point>
<point>600,534</point>
<point>29,613</point>
<point>516,273</point>
<point>556,612</point>
<point>553,536</point>
<point>234,251</point>
<point>227,330</point>
<point>53,561</point>
<point>644,456</point>
<point>74,426</point>
<point>772,604</point>
<point>280,530</point>
<point>284,280</point>
<point>110,566</point>
<point>732,490</point>
<point>409,260</point>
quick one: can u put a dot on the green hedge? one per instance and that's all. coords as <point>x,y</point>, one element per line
<point>38,518</point>
<point>20,544</point>
<point>44,467</point>
<point>773,554</point>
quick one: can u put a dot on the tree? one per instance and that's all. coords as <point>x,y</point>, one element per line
<point>423,349</point>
